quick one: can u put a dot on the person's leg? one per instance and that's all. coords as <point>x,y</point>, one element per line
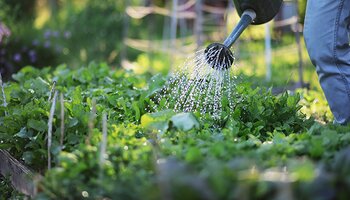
<point>327,40</point>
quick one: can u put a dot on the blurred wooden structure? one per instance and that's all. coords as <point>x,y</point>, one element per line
<point>22,178</point>
<point>182,14</point>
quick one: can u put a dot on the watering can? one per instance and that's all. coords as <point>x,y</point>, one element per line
<point>219,56</point>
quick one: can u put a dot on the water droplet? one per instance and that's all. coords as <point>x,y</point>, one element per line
<point>198,87</point>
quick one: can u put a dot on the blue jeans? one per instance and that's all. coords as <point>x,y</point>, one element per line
<point>326,32</point>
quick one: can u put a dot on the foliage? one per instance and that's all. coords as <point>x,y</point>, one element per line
<point>95,30</point>
<point>17,10</point>
<point>27,45</point>
<point>315,105</point>
<point>17,52</point>
<point>98,30</point>
<point>302,10</point>
<point>78,32</point>
<point>153,63</point>
<point>23,46</point>
<point>206,166</point>
<point>6,190</point>
<point>28,107</point>
<point>262,149</point>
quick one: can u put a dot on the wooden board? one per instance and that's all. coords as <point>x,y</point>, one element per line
<point>22,178</point>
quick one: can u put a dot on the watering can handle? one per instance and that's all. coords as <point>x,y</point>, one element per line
<point>265,10</point>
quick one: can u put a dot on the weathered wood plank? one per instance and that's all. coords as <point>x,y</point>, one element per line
<point>22,178</point>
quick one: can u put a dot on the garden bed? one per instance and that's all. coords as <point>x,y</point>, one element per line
<point>110,137</point>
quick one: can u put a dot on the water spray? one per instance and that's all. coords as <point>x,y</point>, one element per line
<point>219,56</point>
<point>204,82</point>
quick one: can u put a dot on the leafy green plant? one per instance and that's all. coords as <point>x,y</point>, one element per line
<point>264,144</point>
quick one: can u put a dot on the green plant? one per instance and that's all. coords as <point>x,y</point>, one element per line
<point>263,145</point>
<point>17,10</point>
<point>94,29</point>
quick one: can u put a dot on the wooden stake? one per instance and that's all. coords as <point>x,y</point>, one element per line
<point>104,139</point>
<point>91,122</point>
<point>49,132</point>
<point>53,89</point>
<point>3,93</point>
<point>173,27</point>
<point>125,31</point>
<point>62,120</point>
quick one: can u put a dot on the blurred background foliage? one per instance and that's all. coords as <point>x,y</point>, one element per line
<point>77,32</point>
<point>72,32</point>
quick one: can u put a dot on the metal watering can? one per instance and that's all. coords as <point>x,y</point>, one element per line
<point>219,56</point>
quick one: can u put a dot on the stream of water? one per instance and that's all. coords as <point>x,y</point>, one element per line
<point>199,87</point>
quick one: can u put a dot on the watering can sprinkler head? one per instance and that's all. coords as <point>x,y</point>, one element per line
<point>219,56</point>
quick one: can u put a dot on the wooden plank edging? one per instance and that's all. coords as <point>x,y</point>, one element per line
<point>21,177</point>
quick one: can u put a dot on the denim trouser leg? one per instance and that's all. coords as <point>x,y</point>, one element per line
<point>327,40</point>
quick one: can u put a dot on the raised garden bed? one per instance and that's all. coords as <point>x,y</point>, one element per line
<point>116,145</point>
<point>21,177</point>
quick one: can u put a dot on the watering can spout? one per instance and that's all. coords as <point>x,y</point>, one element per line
<point>219,56</point>
<point>247,18</point>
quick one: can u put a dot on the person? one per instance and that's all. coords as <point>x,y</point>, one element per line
<point>326,34</point>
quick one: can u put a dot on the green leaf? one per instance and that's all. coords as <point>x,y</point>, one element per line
<point>23,133</point>
<point>345,137</point>
<point>316,147</point>
<point>38,86</point>
<point>185,121</point>
<point>137,110</point>
<point>157,121</point>
<point>67,159</point>
<point>155,84</point>
<point>84,75</point>
<point>28,157</point>
<point>149,118</point>
<point>5,146</point>
<point>38,125</point>
<point>77,96</point>
<point>193,155</point>
<point>330,138</point>
<point>73,122</point>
